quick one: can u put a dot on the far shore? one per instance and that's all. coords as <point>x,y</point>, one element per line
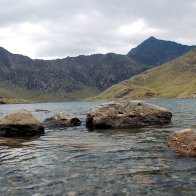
<point>23,101</point>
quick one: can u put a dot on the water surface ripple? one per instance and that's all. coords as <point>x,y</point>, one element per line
<point>74,161</point>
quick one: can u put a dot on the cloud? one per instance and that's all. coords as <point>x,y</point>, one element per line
<point>138,27</point>
<point>58,28</point>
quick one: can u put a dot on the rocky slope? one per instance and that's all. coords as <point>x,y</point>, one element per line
<point>153,52</point>
<point>74,78</point>
<point>176,78</point>
<point>71,77</point>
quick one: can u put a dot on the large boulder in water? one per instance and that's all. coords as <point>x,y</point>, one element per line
<point>20,123</point>
<point>183,142</point>
<point>126,115</point>
<point>62,120</point>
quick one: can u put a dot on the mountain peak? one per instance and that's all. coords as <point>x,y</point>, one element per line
<point>3,52</point>
<point>153,52</point>
<point>151,38</point>
<point>3,49</point>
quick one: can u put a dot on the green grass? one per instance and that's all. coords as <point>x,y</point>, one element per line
<point>11,92</point>
<point>174,79</point>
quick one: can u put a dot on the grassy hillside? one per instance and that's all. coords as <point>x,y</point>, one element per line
<point>13,94</point>
<point>176,78</point>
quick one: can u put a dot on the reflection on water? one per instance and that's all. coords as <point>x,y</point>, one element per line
<point>75,161</point>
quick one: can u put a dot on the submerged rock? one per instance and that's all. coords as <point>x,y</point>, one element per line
<point>42,110</point>
<point>20,123</point>
<point>62,120</point>
<point>10,141</point>
<point>126,114</point>
<point>183,142</point>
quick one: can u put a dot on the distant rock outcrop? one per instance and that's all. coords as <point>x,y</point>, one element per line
<point>122,93</point>
<point>6,100</point>
<point>61,120</point>
<point>183,142</point>
<point>126,115</point>
<point>20,123</point>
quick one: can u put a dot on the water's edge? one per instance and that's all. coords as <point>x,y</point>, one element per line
<point>75,161</point>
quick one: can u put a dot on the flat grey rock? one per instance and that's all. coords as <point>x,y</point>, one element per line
<point>126,115</point>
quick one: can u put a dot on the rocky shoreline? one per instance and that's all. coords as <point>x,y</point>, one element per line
<point>4,100</point>
<point>124,114</point>
<point>113,115</point>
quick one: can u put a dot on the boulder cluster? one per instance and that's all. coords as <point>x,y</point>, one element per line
<point>112,115</point>
<point>23,123</point>
<point>128,114</point>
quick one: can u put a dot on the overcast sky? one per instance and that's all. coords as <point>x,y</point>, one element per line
<point>60,28</point>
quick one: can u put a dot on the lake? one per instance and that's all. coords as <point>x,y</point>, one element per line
<point>75,161</point>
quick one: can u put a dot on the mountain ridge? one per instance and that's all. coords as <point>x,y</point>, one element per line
<point>64,76</point>
<point>173,79</point>
<point>70,78</point>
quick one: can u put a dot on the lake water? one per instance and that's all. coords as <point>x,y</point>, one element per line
<point>75,161</point>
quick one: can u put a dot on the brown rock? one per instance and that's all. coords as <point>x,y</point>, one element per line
<point>62,120</point>
<point>183,142</point>
<point>20,123</point>
<point>126,114</point>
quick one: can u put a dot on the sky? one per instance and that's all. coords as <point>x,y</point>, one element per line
<point>51,29</point>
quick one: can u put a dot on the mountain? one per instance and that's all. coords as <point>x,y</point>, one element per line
<point>61,79</point>
<point>75,78</point>
<point>153,52</point>
<point>176,78</point>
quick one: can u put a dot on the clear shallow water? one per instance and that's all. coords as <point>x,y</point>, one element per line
<point>75,161</point>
